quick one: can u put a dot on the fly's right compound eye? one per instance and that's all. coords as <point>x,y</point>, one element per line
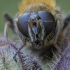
<point>23,24</point>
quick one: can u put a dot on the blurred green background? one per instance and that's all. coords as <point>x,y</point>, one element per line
<point>11,6</point>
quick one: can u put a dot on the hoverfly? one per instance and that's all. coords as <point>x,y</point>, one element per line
<point>39,22</point>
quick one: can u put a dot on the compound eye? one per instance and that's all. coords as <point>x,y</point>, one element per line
<point>48,21</point>
<point>23,23</point>
<point>46,16</point>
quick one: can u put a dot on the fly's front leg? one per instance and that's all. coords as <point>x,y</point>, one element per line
<point>6,31</point>
<point>5,34</point>
<point>9,24</point>
<point>57,33</point>
<point>14,57</point>
<point>22,37</point>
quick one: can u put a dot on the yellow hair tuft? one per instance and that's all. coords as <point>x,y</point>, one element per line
<point>50,3</point>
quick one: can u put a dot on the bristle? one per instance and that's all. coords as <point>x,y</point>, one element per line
<point>49,3</point>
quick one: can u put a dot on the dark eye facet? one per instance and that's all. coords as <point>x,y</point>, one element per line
<point>48,21</point>
<point>23,23</point>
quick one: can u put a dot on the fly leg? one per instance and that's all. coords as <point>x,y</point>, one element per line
<point>57,33</point>
<point>6,31</point>
<point>14,57</point>
<point>22,37</point>
<point>8,24</point>
<point>5,34</point>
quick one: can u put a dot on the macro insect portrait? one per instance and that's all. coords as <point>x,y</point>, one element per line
<point>45,35</point>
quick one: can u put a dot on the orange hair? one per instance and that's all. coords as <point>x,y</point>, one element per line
<point>36,5</point>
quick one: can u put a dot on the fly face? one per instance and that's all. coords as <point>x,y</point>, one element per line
<point>36,31</point>
<point>36,26</point>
